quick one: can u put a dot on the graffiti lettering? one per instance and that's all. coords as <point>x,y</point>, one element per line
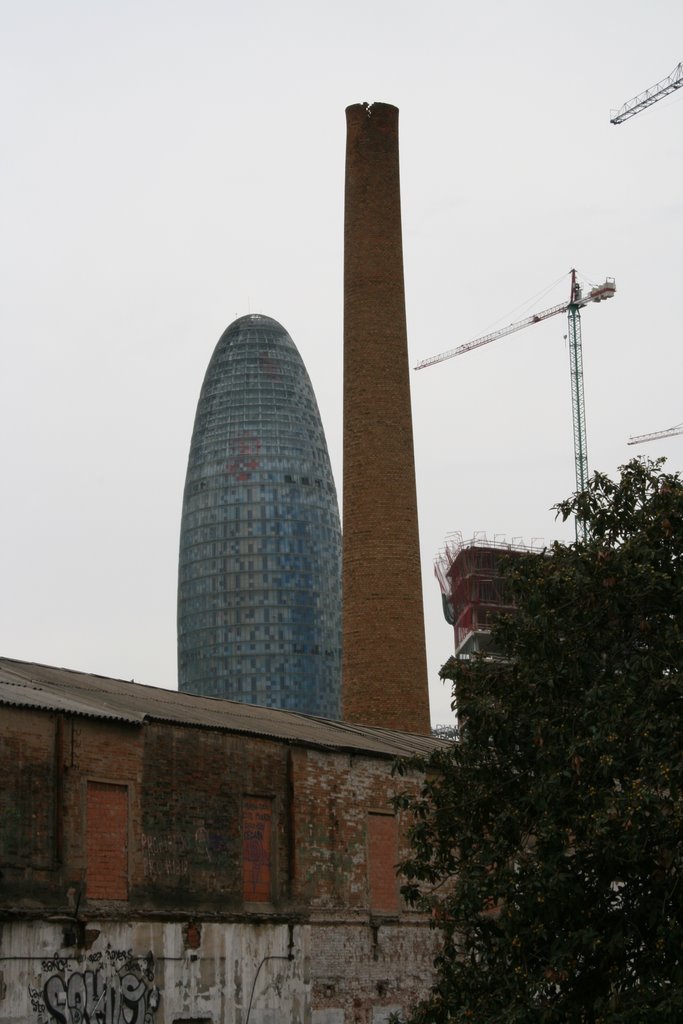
<point>164,855</point>
<point>171,853</point>
<point>103,995</point>
<point>36,997</point>
<point>57,963</point>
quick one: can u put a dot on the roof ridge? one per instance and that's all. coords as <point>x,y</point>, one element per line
<point>79,693</point>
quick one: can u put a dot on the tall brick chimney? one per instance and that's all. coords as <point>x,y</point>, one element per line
<point>384,668</point>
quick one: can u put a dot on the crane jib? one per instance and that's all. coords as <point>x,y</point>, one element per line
<point>597,294</point>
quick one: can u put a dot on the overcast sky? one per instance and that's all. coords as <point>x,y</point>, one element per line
<point>168,166</point>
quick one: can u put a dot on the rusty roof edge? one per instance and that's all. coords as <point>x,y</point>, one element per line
<point>336,735</point>
<point>431,742</point>
<point>6,663</point>
<point>47,700</point>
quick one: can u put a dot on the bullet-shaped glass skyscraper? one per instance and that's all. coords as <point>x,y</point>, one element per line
<point>259,587</point>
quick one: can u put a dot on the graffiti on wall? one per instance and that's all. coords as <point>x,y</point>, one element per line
<point>170,854</point>
<point>113,987</point>
<point>165,855</point>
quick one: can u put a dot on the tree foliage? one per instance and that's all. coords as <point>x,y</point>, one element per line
<point>547,841</point>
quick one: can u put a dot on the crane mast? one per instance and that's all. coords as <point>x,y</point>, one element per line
<point>576,372</point>
<point>652,95</point>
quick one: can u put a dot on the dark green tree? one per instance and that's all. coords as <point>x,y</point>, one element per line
<point>548,840</point>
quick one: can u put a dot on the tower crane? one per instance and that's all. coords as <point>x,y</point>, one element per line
<point>669,432</point>
<point>646,99</point>
<point>577,300</point>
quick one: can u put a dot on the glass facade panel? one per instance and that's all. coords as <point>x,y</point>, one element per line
<point>259,583</point>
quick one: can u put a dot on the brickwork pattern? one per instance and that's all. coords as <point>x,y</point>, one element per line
<point>196,782</point>
<point>107,841</point>
<point>335,796</point>
<point>384,671</point>
<point>27,811</point>
<point>382,858</point>
<point>362,970</point>
<point>186,790</point>
<point>257,851</point>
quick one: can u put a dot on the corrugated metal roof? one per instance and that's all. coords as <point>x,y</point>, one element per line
<point>30,685</point>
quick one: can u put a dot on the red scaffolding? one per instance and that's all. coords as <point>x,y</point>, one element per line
<point>472,587</point>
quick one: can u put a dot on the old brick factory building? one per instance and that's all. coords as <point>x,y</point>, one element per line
<point>168,857</point>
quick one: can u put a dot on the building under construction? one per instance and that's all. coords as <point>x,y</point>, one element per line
<point>473,589</point>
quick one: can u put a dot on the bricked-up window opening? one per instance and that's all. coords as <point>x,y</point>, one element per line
<point>382,858</point>
<point>257,848</point>
<point>107,842</point>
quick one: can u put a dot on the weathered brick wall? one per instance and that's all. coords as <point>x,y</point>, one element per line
<point>384,675</point>
<point>164,818</point>
<point>179,807</point>
<point>47,761</point>
<point>98,753</point>
<point>335,793</point>
<point>195,784</point>
<point>359,971</point>
<point>28,848</point>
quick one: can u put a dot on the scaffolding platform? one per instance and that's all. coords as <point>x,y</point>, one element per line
<point>473,590</point>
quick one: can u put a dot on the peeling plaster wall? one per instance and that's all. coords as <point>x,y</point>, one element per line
<point>146,973</point>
